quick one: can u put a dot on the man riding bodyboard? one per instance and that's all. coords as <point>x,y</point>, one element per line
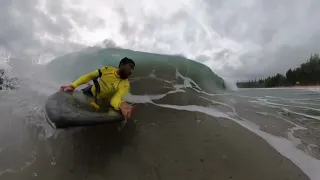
<point>113,83</point>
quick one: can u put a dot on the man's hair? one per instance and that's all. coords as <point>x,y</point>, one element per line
<point>126,61</point>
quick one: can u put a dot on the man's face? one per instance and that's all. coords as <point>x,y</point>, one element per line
<point>126,70</point>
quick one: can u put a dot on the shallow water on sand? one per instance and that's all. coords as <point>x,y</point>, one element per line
<point>178,131</point>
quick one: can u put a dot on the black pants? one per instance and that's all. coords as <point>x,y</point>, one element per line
<point>87,91</point>
<point>104,105</point>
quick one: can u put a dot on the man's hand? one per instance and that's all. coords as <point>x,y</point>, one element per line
<point>67,88</point>
<point>126,110</point>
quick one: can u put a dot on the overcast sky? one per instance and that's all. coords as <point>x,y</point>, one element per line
<point>237,39</point>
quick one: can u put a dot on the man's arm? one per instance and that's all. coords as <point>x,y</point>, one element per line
<point>116,99</point>
<point>85,78</point>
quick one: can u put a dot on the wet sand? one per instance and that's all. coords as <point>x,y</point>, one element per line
<point>159,143</point>
<point>172,145</point>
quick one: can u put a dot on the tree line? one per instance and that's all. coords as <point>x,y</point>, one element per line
<point>307,73</point>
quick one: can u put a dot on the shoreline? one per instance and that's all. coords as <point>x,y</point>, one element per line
<point>307,86</point>
<point>284,87</point>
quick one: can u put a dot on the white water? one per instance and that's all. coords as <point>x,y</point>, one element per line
<point>286,147</point>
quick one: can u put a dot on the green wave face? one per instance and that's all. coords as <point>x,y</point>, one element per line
<point>155,67</point>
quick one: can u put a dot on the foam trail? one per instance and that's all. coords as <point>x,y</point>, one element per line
<point>26,164</point>
<point>295,140</point>
<point>187,81</point>
<point>317,90</point>
<point>195,108</point>
<point>217,102</point>
<point>280,106</point>
<point>295,101</point>
<point>301,114</point>
<point>275,97</point>
<point>305,103</point>
<point>277,116</point>
<point>306,163</point>
<point>265,101</point>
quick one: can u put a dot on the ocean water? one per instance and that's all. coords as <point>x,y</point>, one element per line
<point>286,118</point>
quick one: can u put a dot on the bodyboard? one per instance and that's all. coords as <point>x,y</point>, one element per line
<point>65,110</point>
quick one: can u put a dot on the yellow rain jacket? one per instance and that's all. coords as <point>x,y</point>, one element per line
<point>111,85</point>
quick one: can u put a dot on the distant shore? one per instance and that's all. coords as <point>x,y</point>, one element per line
<point>307,73</point>
<point>296,87</point>
<point>307,86</point>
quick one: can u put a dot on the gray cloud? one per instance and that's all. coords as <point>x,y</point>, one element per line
<point>21,21</point>
<point>285,31</point>
<point>274,35</point>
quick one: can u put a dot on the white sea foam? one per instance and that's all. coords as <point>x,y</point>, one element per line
<point>287,147</point>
